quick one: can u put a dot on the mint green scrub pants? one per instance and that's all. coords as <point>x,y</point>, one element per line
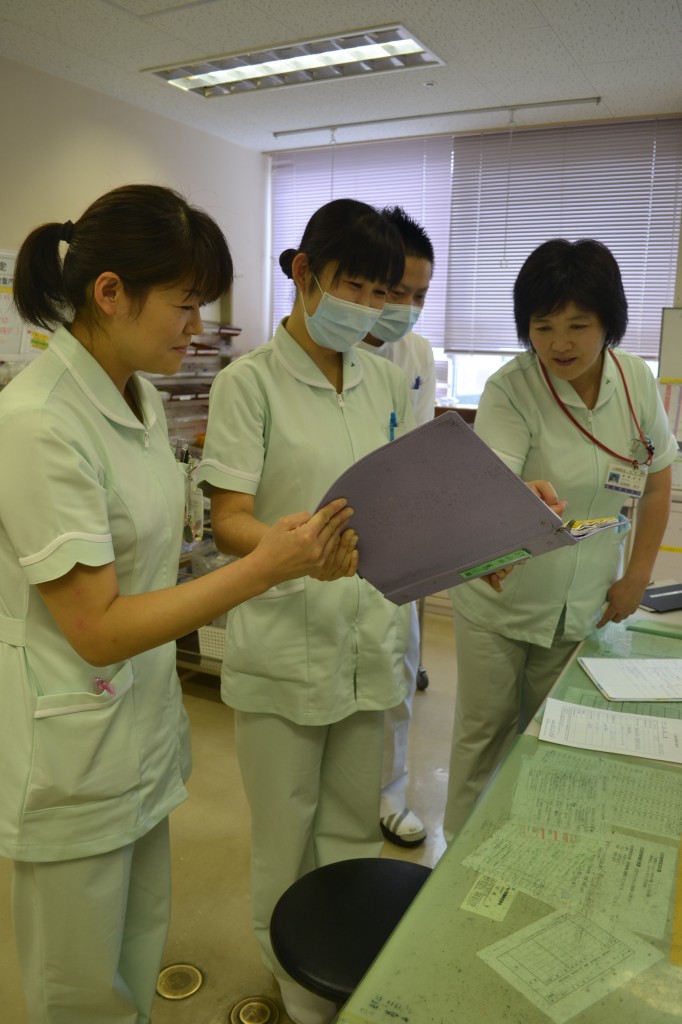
<point>501,683</point>
<point>314,795</point>
<point>396,729</point>
<point>91,932</point>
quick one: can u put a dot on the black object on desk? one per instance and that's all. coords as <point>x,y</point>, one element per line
<point>663,599</point>
<point>329,926</point>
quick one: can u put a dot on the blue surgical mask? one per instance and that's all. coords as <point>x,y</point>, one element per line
<point>397,318</point>
<point>338,324</point>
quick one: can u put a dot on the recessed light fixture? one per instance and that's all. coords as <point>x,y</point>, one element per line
<point>365,51</point>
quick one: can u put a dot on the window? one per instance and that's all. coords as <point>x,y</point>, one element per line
<point>487,200</point>
<point>413,173</point>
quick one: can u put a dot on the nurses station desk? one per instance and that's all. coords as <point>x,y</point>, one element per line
<point>557,901</point>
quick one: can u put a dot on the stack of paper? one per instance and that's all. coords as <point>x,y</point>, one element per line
<point>637,679</point>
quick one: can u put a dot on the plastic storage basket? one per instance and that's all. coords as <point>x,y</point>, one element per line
<point>212,642</point>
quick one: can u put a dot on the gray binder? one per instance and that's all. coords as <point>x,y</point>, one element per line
<point>436,507</point>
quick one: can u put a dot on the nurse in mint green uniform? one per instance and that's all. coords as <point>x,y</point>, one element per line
<point>571,411</point>
<point>309,666</point>
<point>94,747</point>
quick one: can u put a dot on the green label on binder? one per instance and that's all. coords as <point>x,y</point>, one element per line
<point>493,564</point>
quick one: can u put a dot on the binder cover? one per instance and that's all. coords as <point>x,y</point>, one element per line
<point>436,508</point>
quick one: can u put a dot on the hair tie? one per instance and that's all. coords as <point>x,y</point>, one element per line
<point>285,261</point>
<point>66,232</point>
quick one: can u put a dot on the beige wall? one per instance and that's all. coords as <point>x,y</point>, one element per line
<point>61,146</point>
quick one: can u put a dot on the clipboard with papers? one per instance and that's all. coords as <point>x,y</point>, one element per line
<point>436,507</point>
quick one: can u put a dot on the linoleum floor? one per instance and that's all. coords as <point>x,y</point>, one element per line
<point>210,843</point>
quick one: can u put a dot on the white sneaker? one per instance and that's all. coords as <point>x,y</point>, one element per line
<point>403,828</point>
<point>305,1007</point>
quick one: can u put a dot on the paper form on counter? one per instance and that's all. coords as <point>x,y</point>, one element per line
<point>592,698</point>
<point>625,880</point>
<point>631,884</point>
<point>569,801</point>
<point>636,678</point>
<point>646,799</point>
<point>566,962</point>
<point>545,863</point>
<point>592,729</point>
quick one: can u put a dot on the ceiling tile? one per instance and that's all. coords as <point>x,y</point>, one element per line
<point>616,29</point>
<point>497,52</point>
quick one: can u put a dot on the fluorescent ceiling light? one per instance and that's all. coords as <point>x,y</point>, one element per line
<point>389,48</point>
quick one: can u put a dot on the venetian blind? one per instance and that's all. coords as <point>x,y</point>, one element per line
<point>413,173</point>
<point>487,200</point>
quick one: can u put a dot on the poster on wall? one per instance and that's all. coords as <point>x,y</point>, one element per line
<point>17,340</point>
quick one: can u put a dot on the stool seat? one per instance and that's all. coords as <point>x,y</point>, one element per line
<point>329,926</point>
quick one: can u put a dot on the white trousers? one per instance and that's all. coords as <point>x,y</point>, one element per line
<point>396,729</point>
<point>91,932</point>
<point>314,798</point>
<point>500,685</point>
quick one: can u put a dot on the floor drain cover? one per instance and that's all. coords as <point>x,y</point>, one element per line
<point>179,981</point>
<point>254,1010</point>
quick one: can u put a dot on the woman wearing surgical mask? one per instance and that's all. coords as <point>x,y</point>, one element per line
<point>311,667</point>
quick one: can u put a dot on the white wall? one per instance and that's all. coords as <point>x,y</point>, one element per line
<point>61,146</point>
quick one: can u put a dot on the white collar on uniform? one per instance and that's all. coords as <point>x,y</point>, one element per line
<point>97,385</point>
<point>299,364</point>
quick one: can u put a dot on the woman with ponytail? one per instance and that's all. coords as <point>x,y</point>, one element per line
<point>93,736</point>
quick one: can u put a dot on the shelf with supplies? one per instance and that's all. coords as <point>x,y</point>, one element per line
<point>185,398</point>
<point>185,394</point>
<point>202,649</point>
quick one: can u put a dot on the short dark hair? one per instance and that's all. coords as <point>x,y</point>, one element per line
<point>147,234</point>
<point>584,272</point>
<point>356,237</point>
<point>415,239</point>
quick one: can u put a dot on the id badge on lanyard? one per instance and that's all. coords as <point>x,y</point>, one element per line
<point>629,478</point>
<point>628,474</point>
<point>626,479</point>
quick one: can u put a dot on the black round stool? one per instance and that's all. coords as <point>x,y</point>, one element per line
<point>329,926</point>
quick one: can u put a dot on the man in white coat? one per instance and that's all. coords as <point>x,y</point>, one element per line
<point>392,337</point>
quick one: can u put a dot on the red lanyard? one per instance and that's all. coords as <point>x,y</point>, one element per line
<point>646,441</point>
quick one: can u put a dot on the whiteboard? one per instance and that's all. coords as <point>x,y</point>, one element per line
<point>17,340</point>
<point>670,354</point>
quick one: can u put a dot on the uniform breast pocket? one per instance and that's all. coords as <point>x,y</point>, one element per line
<point>84,746</point>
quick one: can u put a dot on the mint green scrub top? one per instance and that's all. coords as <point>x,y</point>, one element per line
<point>84,482</point>
<point>520,420</point>
<point>311,651</point>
